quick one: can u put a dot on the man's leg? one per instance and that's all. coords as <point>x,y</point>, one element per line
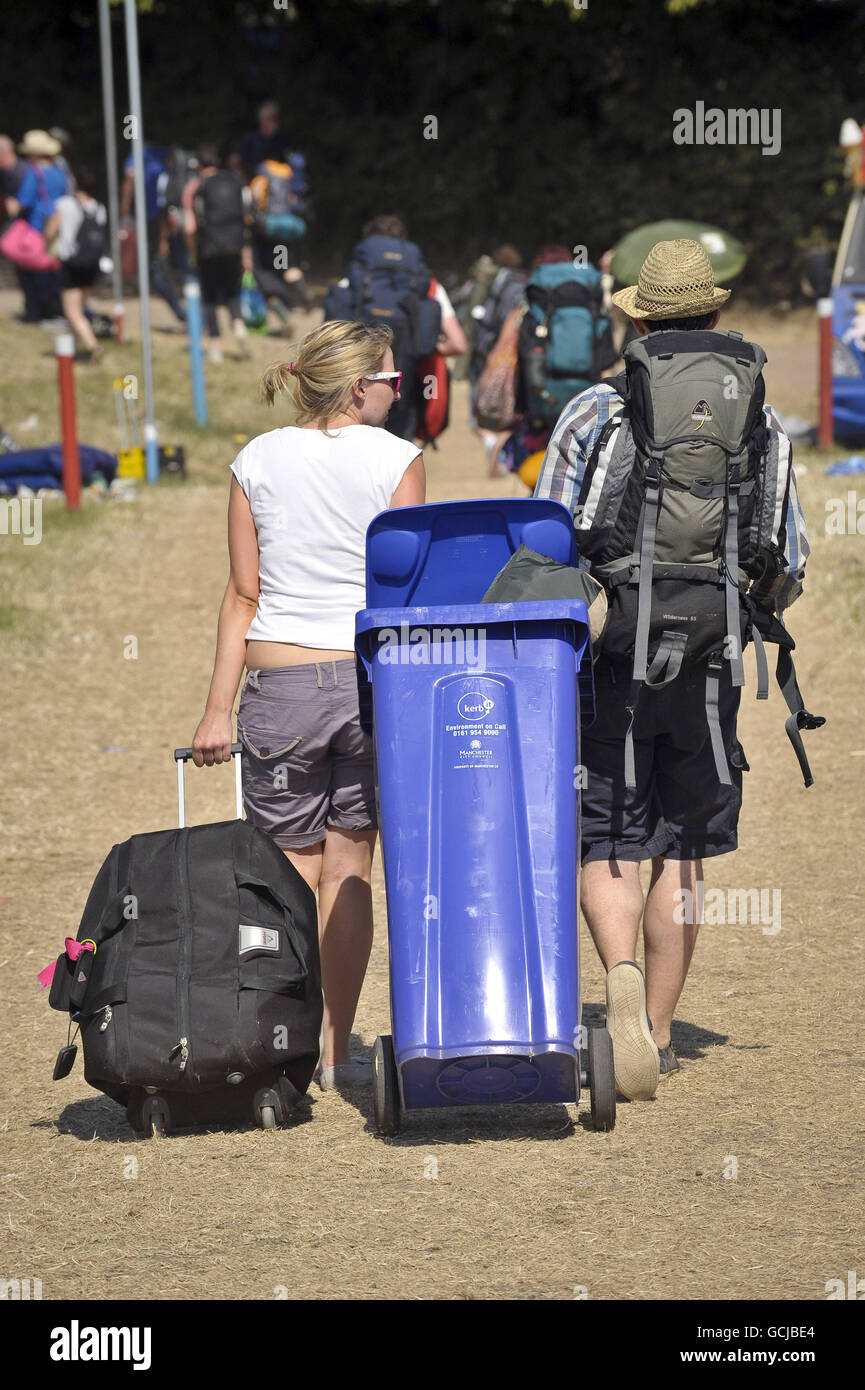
<point>160,280</point>
<point>669,940</point>
<point>612,901</point>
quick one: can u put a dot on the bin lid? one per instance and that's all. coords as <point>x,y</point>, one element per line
<point>450,552</point>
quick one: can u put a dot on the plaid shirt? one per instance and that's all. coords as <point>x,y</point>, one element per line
<point>575,435</point>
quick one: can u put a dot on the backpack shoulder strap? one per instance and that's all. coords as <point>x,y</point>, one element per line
<point>619,383</point>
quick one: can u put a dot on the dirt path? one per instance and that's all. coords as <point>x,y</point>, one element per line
<point>743,1179</point>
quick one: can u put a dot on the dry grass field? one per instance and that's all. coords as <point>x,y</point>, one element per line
<point>743,1179</point>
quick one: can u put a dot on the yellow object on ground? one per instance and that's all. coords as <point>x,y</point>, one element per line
<point>130,463</point>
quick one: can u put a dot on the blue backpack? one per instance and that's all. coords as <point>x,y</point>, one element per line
<point>565,339</point>
<point>388,282</point>
<point>281,219</point>
<point>154,167</point>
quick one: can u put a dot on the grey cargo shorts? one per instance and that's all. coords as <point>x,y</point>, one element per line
<point>307,764</point>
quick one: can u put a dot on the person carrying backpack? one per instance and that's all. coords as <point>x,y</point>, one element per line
<point>388,283</point>
<point>506,290</point>
<point>78,232</point>
<point>279,191</point>
<point>565,338</point>
<point>181,166</point>
<point>500,288</point>
<point>685,507</point>
<point>158,229</point>
<point>216,205</point>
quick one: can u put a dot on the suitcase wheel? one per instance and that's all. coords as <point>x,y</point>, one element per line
<point>268,1109</point>
<point>155,1116</point>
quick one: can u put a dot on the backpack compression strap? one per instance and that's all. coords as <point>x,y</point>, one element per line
<point>762,665</point>
<point>714,667</point>
<point>644,556</point>
<point>731,570</point>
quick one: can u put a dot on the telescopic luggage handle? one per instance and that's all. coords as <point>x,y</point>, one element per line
<point>180,757</point>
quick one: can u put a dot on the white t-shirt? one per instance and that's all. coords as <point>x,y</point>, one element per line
<point>443,298</point>
<point>70,211</point>
<point>312,498</point>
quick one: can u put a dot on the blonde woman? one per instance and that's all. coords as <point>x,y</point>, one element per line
<point>301,500</point>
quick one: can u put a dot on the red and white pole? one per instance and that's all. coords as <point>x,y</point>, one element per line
<point>824,323</point>
<point>64,350</point>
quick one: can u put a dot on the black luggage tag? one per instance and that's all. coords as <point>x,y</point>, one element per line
<point>65,1061</point>
<point>65,1057</point>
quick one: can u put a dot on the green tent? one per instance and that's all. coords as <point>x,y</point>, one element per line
<point>724,251</point>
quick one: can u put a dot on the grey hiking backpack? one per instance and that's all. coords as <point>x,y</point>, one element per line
<point>682,513</point>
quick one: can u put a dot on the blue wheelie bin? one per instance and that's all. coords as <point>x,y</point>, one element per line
<point>475,711</point>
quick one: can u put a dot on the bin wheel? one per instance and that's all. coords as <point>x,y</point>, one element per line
<point>385,1086</point>
<point>267,1116</point>
<point>602,1083</point>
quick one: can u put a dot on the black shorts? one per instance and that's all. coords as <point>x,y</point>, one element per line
<point>679,807</point>
<point>72,279</point>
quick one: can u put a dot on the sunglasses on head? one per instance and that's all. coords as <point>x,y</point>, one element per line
<point>393,379</point>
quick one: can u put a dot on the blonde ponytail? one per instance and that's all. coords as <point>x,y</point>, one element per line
<point>277,378</point>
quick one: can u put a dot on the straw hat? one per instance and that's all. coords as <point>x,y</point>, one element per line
<point>39,144</point>
<point>676,280</point>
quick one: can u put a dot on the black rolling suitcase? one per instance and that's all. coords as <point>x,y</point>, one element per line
<point>195,979</point>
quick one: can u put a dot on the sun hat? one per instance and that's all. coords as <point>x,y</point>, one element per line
<point>40,144</point>
<point>676,280</point>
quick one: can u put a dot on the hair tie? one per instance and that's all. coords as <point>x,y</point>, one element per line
<point>291,368</point>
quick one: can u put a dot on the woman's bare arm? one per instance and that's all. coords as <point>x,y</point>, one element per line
<point>452,340</point>
<point>212,741</point>
<point>411,491</point>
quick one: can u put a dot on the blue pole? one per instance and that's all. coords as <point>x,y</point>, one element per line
<point>196,351</point>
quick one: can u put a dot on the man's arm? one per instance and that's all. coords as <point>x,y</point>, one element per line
<point>572,441</point>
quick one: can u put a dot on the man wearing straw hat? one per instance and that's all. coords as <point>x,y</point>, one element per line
<point>670,804</point>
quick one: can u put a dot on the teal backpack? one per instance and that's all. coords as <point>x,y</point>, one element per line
<point>565,338</point>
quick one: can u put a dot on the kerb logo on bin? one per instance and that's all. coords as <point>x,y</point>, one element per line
<point>474,707</point>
